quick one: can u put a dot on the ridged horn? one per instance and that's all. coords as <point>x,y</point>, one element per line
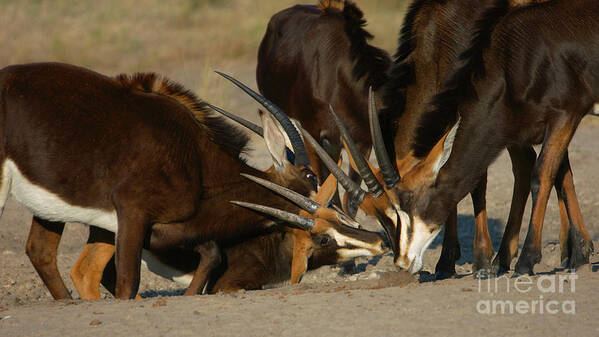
<point>304,203</point>
<point>390,176</point>
<point>301,156</point>
<point>291,220</point>
<point>366,173</point>
<point>253,127</point>
<point>349,185</point>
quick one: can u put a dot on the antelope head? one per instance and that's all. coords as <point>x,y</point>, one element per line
<point>322,236</point>
<point>291,166</point>
<point>403,206</point>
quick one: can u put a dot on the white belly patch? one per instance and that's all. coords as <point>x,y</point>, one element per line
<point>153,264</point>
<point>49,206</point>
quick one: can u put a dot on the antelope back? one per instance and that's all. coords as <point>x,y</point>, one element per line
<point>286,73</point>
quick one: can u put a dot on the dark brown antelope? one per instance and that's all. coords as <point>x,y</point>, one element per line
<point>128,155</point>
<point>515,86</point>
<point>434,33</point>
<point>279,254</point>
<point>313,56</point>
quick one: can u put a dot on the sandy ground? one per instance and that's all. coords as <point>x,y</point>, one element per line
<point>367,297</point>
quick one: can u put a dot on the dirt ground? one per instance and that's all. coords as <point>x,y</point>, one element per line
<point>368,297</point>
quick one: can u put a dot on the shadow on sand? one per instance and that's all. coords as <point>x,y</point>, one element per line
<point>466,235</point>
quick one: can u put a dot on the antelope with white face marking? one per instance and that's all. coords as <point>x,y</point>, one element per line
<point>512,88</point>
<point>487,88</point>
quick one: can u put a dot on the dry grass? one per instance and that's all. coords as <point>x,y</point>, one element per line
<point>183,39</point>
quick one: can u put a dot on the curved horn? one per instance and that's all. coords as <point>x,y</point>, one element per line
<point>373,184</point>
<point>301,156</point>
<point>304,203</point>
<point>253,127</point>
<point>390,176</point>
<point>293,220</point>
<point>350,186</point>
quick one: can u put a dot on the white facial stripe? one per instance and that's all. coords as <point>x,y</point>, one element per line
<point>343,240</point>
<point>391,213</point>
<point>49,206</point>
<point>421,239</point>
<point>347,254</point>
<point>403,237</point>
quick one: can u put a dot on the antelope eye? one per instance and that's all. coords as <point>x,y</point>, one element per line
<point>311,177</point>
<point>325,241</point>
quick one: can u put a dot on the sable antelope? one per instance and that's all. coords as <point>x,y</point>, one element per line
<point>313,56</point>
<point>157,108</point>
<point>434,33</point>
<point>528,77</point>
<point>127,155</point>
<point>278,254</point>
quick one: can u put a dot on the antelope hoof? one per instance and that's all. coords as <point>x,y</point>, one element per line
<point>498,267</point>
<point>445,268</point>
<point>482,274</point>
<point>501,263</point>
<point>481,267</point>
<point>444,274</point>
<point>526,263</point>
<point>580,253</point>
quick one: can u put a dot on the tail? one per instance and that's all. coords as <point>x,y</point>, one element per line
<point>325,5</point>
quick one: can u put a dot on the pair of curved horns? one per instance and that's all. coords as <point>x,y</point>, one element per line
<point>374,187</point>
<point>355,191</point>
<point>301,156</point>
<point>390,175</point>
<point>291,219</point>
<point>253,127</point>
<point>304,203</point>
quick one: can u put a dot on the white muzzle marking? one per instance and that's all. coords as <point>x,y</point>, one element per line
<point>411,249</point>
<point>422,238</point>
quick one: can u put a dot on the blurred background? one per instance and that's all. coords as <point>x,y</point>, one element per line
<point>185,40</point>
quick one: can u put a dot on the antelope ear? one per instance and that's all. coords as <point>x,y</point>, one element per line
<point>302,249</point>
<point>440,154</point>
<point>327,190</point>
<point>405,164</point>
<point>352,163</point>
<point>275,139</point>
